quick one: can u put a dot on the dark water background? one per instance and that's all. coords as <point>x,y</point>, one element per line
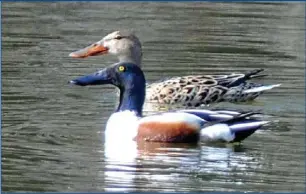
<point>52,133</point>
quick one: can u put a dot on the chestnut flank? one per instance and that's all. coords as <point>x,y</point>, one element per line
<point>167,132</point>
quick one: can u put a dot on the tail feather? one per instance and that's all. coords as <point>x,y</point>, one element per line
<point>246,128</point>
<point>228,112</point>
<point>240,117</point>
<point>220,116</point>
<point>242,126</point>
<point>247,76</point>
<point>260,88</point>
<point>234,129</point>
<point>247,125</point>
<point>252,73</point>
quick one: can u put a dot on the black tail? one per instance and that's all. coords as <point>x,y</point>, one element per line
<point>247,76</point>
<point>243,132</point>
<point>237,118</point>
<point>241,117</point>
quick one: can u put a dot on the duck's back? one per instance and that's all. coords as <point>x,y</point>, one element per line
<point>199,90</point>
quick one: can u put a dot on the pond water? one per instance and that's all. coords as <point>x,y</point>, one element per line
<point>52,133</point>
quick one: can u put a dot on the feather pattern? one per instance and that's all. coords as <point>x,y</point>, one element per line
<point>193,91</point>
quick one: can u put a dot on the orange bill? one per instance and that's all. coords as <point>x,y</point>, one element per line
<point>92,50</point>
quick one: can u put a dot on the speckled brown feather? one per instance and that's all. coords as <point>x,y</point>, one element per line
<point>194,91</point>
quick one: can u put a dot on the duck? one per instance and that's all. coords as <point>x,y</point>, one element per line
<point>127,123</point>
<point>188,91</point>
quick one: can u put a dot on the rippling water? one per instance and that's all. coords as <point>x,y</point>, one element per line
<point>52,133</point>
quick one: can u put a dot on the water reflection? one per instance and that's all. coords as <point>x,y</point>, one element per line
<point>164,162</point>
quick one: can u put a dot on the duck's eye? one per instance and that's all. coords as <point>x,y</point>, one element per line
<point>121,68</point>
<point>118,37</point>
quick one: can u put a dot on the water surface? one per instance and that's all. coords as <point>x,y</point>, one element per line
<point>52,133</point>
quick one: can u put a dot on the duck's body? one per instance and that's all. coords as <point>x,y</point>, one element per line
<point>187,90</point>
<point>166,127</point>
<point>194,91</point>
<point>184,126</point>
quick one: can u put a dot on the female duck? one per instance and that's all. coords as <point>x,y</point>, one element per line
<point>185,126</point>
<point>188,90</point>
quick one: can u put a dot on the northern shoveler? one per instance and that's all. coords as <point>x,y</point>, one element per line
<point>128,123</point>
<point>191,91</point>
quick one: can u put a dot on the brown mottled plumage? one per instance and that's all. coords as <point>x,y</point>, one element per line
<point>194,91</point>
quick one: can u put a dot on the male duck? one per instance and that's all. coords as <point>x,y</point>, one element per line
<point>183,126</point>
<point>189,91</point>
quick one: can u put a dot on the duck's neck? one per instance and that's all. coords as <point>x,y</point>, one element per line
<point>133,57</point>
<point>132,97</point>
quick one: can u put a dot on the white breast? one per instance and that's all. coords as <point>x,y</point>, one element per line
<point>121,126</point>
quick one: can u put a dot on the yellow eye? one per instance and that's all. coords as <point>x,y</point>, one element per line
<point>121,68</point>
